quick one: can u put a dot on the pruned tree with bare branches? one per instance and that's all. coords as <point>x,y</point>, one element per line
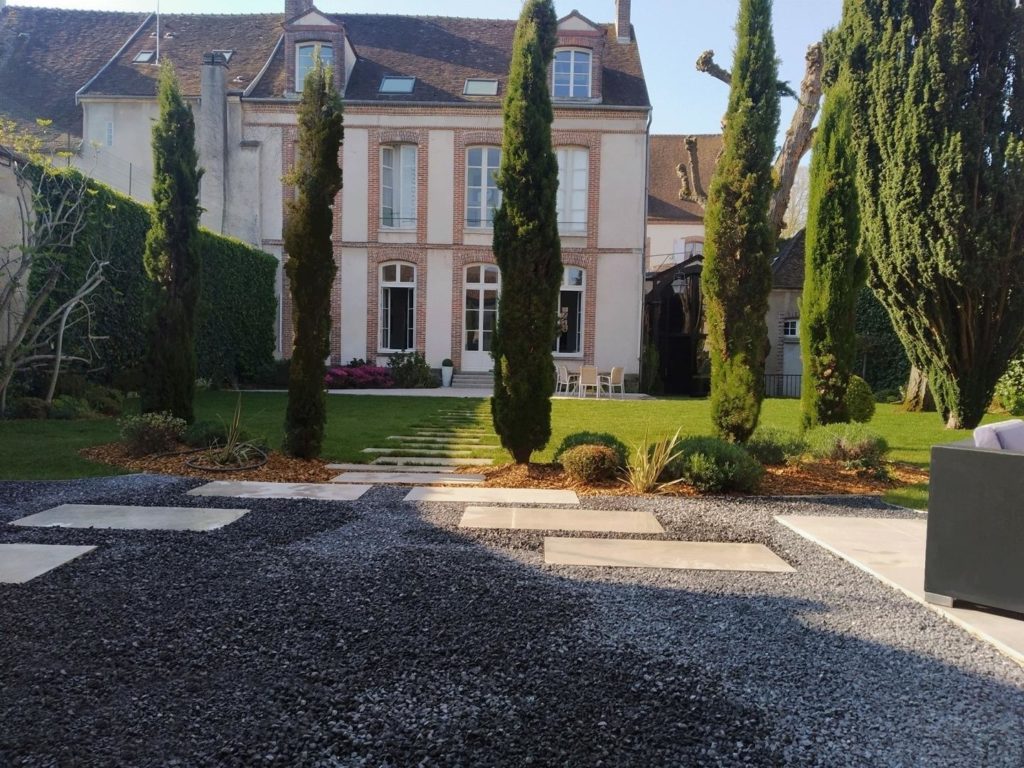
<point>40,300</point>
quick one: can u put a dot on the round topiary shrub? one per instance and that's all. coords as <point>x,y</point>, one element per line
<point>203,434</point>
<point>151,433</point>
<point>853,444</point>
<point>590,463</point>
<point>594,438</point>
<point>68,407</point>
<point>773,446</point>
<point>105,400</point>
<point>860,400</point>
<point>712,465</point>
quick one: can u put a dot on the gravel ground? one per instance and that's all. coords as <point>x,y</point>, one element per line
<point>376,633</point>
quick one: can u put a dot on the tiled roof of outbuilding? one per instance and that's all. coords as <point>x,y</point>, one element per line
<point>788,265</point>
<point>667,152</point>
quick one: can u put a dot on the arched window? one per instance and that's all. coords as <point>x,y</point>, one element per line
<point>398,186</point>
<point>686,248</point>
<point>569,340</point>
<point>571,72</point>
<point>305,57</point>
<point>397,306</point>
<point>483,197</point>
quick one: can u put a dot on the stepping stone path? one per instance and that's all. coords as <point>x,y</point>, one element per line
<point>23,562</point>
<point>428,461</point>
<point>247,489</point>
<point>496,495</point>
<point>556,519</point>
<point>392,468</point>
<point>635,553</point>
<point>408,478</point>
<point>132,518</point>
<point>461,452</point>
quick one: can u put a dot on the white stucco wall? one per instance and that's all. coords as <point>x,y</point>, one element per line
<point>440,187</point>
<point>353,303</point>
<point>439,307</point>
<point>355,192</point>
<point>782,305</point>
<point>10,253</point>
<point>622,203</point>
<point>617,322</point>
<point>127,164</point>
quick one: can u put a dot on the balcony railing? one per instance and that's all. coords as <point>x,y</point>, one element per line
<point>782,385</point>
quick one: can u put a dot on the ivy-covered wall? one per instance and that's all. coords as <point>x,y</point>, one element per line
<point>237,307</point>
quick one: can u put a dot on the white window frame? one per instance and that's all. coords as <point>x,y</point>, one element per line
<point>384,305</point>
<point>791,323</point>
<point>573,189</point>
<point>581,312</point>
<point>484,213</point>
<point>581,61</point>
<point>108,135</point>
<point>398,186</point>
<point>318,46</point>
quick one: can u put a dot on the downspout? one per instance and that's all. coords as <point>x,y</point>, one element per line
<point>643,249</point>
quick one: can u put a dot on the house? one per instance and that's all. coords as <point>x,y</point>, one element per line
<point>681,168</point>
<point>423,129</point>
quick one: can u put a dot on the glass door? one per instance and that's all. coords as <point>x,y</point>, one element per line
<point>480,315</point>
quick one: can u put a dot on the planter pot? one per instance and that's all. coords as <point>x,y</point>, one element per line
<point>446,375</point>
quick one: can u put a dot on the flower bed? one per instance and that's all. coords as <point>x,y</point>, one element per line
<point>358,377</point>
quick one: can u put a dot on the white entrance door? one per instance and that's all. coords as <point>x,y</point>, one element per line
<point>482,285</point>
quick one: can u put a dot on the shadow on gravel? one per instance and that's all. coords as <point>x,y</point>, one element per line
<point>322,634</point>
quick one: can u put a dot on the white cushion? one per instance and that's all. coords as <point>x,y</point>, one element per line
<point>1006,435</point>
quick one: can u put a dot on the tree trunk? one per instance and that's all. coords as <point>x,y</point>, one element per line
<point>919,395</point>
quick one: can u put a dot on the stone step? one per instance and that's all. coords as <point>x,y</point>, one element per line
<point>494,495</point>
<point>132,518</point>
<point>642,553</point>
<point>23,562</point>
<point>451,438</point>
<point>417,452</point>
<point>408,478</point>
<point>391,468</point>
<point>251,489</point>
<point>456,432</point>
<point>561,519</point>
<point>429,461</point>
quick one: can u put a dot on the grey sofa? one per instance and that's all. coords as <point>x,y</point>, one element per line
<point>975,550</point>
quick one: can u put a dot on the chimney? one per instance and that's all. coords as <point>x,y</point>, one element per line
<point>622,31</point>
<point>213,138</point>
<point>293,8</point>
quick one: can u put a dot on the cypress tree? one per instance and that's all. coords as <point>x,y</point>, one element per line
<point>310,259</point>
<point>740,241</point>
<point>834,269</point>
<point>938,118</point>
<point>171,257</point>
<point>526,243</point>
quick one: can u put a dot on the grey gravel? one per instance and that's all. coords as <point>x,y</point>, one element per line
<point>377,633</point>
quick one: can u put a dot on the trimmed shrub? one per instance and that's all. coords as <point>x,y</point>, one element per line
<point>67,408</point>
<point>358,377</point>
<point>410,371</point>
<point>853,444</point>
<point>860,400</point>
<point>1009,392</point>
<point>30,408</point>
<point>594,438</point>
<point>772,446</point>
<point>590,463</point>
<point>888,396</point>
<point>713,465</point>
<point>105,400</point>
<point>203,434</point>
<point>151,433</point>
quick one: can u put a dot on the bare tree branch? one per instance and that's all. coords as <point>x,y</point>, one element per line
<point>706,63</point>
<point>691,187</point>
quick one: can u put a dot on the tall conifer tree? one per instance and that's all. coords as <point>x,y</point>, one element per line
<point>938,123</point>
<point>740,241</point>
<point>171,258</point>
<point>310,266</point>
<point>834,269</point>
<point>526,243</point>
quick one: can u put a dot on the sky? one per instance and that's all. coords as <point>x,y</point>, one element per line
<point>671,34</point>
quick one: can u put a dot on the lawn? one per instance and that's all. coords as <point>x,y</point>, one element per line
<point>31,450</point>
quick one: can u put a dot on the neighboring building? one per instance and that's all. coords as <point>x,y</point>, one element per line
<point>422,142</point>
<point>681,167</point>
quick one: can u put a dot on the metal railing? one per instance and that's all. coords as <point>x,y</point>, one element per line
<point>782,385</point>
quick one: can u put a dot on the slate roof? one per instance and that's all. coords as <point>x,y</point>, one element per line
<point>47,54</point>
<point>443,52</point>
<point>788,265</point>
<point>668,151</point>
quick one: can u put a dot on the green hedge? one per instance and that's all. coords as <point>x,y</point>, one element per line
<point>237,308</point>
<point>881,358</point>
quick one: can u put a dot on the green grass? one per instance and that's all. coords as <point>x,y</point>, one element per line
<point>48,449</point>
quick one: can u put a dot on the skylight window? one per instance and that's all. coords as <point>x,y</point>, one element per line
<point>479,87</point>
<point>397,84</point>
<point>144,57</point>
<point>226,53</point>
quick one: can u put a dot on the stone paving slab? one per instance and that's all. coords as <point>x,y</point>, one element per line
<point>131,518</point>
<point>408,478</point>
<point>634,553</point>
<point>494,495</point>
<point>892,550</point>
<point>23,562</point>
<point>429,468</point>
<point>249,489</point>
<point>435,439</point>
<point>400,451</point>
<point>560,519</point>
<point>430,461</point>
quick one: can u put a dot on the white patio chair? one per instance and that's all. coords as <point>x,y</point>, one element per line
<point>565,382</point>
<point>589,379</point>
<point>615,380</point>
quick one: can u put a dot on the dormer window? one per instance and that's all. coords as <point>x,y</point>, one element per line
<point>305,57</point>
<point>397,84</point>
<point>571,74</point>
<point>144,57</point>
